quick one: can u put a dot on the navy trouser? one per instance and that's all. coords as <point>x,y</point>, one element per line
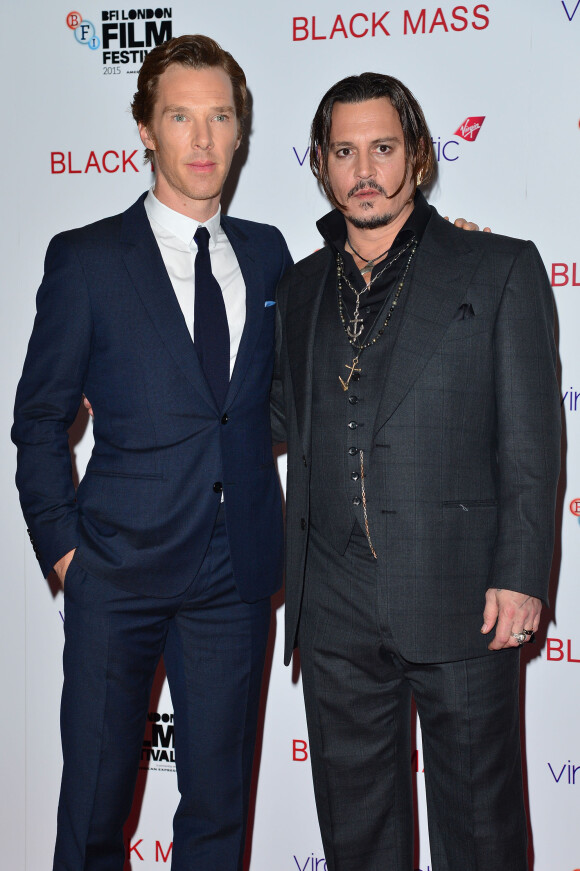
<point>213,645</point>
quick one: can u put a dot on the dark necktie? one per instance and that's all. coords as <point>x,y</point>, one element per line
<point>211,333</point>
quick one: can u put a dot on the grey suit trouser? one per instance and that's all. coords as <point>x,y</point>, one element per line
<point>358,691</point>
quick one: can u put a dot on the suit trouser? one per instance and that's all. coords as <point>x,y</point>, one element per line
<point>213,646</point>
<point>358,691</point>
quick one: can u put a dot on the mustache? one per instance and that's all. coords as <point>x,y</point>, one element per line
<point>363,185</point>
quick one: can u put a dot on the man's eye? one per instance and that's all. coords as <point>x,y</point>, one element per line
<point>179,117</point>
<point>383,149</point>
<point>343,152</point>
<point>221,117</point>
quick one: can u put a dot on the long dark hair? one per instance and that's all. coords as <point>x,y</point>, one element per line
<point>372,86</point>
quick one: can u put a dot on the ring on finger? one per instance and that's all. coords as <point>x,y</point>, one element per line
<point>520,637</point>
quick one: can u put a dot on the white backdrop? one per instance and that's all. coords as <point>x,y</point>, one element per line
<point>70,155</point>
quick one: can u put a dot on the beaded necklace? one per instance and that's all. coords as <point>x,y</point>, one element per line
<point>354,334</point>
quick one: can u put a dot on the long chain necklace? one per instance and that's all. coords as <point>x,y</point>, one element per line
<point>355,331</point>
<point>359,348</point>
<point>369,264</point>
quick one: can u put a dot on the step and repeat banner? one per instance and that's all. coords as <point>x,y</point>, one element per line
<point>499,85</point>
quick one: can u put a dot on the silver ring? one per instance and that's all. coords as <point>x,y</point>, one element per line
<point>520,637</point>
<point>529,632</point>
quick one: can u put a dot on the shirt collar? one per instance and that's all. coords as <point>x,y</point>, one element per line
<point>332,227</point>
<point>179,225</point>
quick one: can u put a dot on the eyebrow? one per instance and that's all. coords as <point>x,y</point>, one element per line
<point>218,109</point>
<point>379,141</point>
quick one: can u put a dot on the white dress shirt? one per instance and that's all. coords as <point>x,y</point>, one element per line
<point>174,233</point>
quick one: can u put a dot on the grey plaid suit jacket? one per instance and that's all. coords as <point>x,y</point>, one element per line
<point>465,460</point>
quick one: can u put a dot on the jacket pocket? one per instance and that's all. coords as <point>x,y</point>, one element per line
<point>468,504</point>
<point>108,473</point>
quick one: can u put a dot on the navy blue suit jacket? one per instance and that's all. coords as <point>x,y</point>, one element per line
<point>108,325</point>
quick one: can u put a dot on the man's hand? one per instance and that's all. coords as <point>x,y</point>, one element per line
<point>510,613</point>
<point>467,225</point>
<point>88,406</point>
<point>62,565</point>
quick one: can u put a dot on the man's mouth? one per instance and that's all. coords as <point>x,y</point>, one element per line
<point>201,165</point>
<point>366,190</point>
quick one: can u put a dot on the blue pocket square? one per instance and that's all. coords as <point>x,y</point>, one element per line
<point>269,302</point>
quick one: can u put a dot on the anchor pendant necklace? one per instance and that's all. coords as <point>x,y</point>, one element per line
<point>354,333</point>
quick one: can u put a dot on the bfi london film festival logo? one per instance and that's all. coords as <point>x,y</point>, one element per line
<point>158,750</point>
<point>126,35</point>
<point>446,150</point>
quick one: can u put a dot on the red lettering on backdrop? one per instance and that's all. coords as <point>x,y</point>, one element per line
<point>314,29</point>
<point>483,18</point>
<point>302,27</point>
<point>299,750</point>
<point>128,161</point>
<point>133,848</point>
<point>554,649</point>
<point>73,20</point>
<point>438,21</point>
<point>457,17</point>
<point>379,23</point>
<point>338,27</point>
<point>92,161</point>
<point>353,32</point>
<point>560,271</point>
<point>56,160</point>
<point>105,167</point>
<point>70,169</point>
<point>414,27</point>
<point>159,849</point>
<point>570,657</point>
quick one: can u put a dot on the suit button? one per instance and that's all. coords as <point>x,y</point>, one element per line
<point>353,424</point>
<point>355,476</point>
<point>225,418</point>
<point>353,400</point>
<point>353,451</point>
<point>356,500</point>
<point>218,487</point>
<point>302,523</point>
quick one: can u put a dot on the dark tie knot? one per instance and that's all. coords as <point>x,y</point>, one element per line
<point>201,238</point>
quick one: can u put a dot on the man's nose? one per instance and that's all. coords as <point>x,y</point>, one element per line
<point>201,135</point>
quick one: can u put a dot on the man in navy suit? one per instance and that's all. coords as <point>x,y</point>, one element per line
<point>163,317</point>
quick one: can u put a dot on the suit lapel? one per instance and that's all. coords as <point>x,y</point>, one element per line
<point>304,298</point>
<point>248,257</point>
<point>153,285</point>
<point>443,268</point>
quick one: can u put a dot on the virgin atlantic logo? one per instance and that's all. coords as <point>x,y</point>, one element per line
<point>570,15</point>
<point>470,128</point>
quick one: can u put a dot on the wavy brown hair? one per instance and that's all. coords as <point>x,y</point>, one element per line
<point>195,51</point>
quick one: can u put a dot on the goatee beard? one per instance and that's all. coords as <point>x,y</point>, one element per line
<point>370,223</point>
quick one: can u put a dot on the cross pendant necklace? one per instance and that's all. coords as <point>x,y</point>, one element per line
<point>352,369</point>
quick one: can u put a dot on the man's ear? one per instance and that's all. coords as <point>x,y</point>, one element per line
<point>146,137</point>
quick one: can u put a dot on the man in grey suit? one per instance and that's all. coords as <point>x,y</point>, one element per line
<point>417,390</point>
